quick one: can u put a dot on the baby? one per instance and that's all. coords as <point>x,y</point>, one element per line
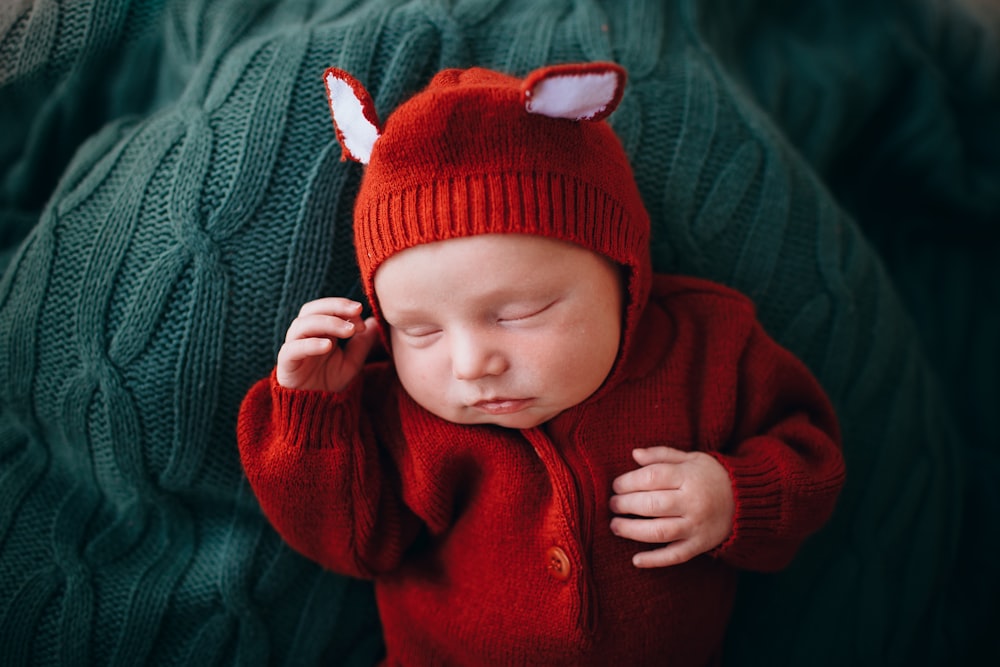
<point>544,405</point>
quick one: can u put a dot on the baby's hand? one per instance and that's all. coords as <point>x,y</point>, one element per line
<point>683,500</point>
<point>310,357</point>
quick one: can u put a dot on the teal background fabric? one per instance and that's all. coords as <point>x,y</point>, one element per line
<point>171,192</point>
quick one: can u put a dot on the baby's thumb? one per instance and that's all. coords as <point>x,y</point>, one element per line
<point>360,344</point>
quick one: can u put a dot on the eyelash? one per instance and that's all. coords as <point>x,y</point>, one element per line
<point>418,333</point>
<point>527,315</point>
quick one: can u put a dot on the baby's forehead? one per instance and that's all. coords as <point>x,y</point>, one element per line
<point>480,254</point>
<point>487,263</point>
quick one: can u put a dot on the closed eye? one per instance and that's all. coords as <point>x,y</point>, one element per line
<point>417,336</point>
<point>419,332</point>
<point>526,314</point>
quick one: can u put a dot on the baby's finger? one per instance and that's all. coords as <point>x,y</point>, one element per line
<point>647,455</point>
<point>650,531</point>
<point>294,352</point>
<point>652,477</point>
<point>320,326</point>
<point>299,359</point>
<point>332,305</point>
<point>357,348</point>
<point>671,554</point>
<point>646,503</point>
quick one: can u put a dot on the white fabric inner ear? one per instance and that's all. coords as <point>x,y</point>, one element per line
<point>575,96</point>
<point>359,134</point>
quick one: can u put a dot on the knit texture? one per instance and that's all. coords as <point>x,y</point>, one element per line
<point>464,157</point>
<point>368,483</point>
<point>171,192</point>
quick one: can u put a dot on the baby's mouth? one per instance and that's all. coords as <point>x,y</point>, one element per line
<point>502,405</point>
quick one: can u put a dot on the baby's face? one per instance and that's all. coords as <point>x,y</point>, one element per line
<point>501,329</point>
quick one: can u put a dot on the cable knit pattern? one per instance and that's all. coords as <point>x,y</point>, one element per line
<point>171,192</point>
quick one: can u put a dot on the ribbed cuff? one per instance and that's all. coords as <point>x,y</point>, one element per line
<point>543,203</point>
<point>315,419</point>
<point>758,494</point>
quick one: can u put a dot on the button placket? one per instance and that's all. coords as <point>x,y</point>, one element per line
<point>564,560</point>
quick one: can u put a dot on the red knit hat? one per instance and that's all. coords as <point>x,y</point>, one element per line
<point>480,152</point>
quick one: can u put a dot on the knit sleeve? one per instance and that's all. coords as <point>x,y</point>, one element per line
<point>785,459</point>
<point>313,463</point>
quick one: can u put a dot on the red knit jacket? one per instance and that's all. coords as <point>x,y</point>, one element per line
<point>492,546</point>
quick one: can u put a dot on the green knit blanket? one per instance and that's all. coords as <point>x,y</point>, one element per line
<point>171,192</point>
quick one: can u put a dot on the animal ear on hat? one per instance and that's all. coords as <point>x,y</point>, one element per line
<point>584,91</point>
<point>354,118</point>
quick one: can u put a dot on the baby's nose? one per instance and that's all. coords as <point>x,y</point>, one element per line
<point>474,357</point>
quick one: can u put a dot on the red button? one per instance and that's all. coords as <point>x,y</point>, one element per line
<point>557,563</point>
